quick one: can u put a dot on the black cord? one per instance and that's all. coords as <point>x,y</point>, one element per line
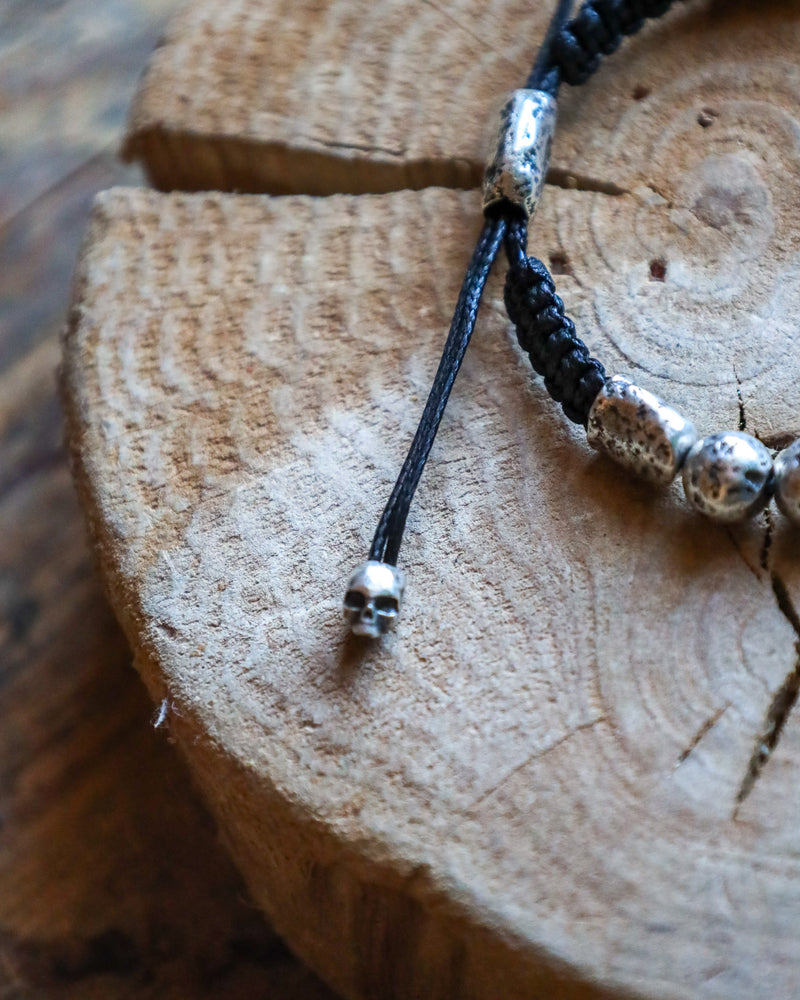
<point>570,53</point>
<point>544,75</point>
<point>597,31</point>
<point>571,376</point>
<point>386,543</point>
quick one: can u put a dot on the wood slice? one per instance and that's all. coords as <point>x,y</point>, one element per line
<point>322,95</point>
<point>572,769</point>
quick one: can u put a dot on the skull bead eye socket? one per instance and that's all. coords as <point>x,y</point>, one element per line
<point>354,600</point>
<point>386,605</point>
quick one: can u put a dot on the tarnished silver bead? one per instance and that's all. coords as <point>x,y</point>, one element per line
<point>638,430</point>
<point>373,599</point>
<point>787,481</point>
<point>728,476</point>
<point>520,150</point>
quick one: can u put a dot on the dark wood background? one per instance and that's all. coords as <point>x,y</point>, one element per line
<point>112,882</point>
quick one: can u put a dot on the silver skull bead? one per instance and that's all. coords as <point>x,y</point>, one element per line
<point>373,598</point>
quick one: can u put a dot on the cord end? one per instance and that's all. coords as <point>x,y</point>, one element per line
<point>374,598</point>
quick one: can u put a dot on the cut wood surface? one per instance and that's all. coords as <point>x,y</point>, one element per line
<point>113,883</point>
<point>572,770</point>
<point>319,96</point>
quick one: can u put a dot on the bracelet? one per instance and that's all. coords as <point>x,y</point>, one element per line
<point>727,476</point>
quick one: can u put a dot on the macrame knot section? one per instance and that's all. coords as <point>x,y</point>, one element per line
<point>571,376</point>
<point>597,31</point>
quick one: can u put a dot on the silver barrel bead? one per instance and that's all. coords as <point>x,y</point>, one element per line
<point>787,481</point>
<point>728,476</point>
<point>639,431</point>
<point>520,151</point>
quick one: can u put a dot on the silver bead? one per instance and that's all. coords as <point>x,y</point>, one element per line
<point>373,598</point>
<point>520,150</point>
<point>640,432</point>
<point>787,481</point>
<point>728,476</point>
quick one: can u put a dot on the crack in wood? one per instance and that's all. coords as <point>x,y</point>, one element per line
<point>359,147</point>
<point>740,398</point>
<point>570,181</point>
<point>702,732</point>
<point>739,551</point>
<point>245,166</point>
<point>782,702</point>
<point>766,544</point>
<point>786,605</point>
<point>537,755</point>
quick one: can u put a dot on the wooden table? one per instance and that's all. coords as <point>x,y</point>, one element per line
<point>113,883</point>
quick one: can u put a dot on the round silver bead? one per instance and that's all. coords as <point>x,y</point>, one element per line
<point>520,150</point>
<point>373,599</point>
<point>787,481</point>
<point>639,431</point>
<point>728,476</point>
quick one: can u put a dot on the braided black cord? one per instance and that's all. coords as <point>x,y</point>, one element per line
<point>598,29</point>
<point>571,376</point>
<point>570,53</point>
<point>542,75</point>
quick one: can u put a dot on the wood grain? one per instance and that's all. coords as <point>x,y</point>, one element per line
<point>113,883</point>
<point>549,781</point>
<point>328,95</point>
<point>546,685</point>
